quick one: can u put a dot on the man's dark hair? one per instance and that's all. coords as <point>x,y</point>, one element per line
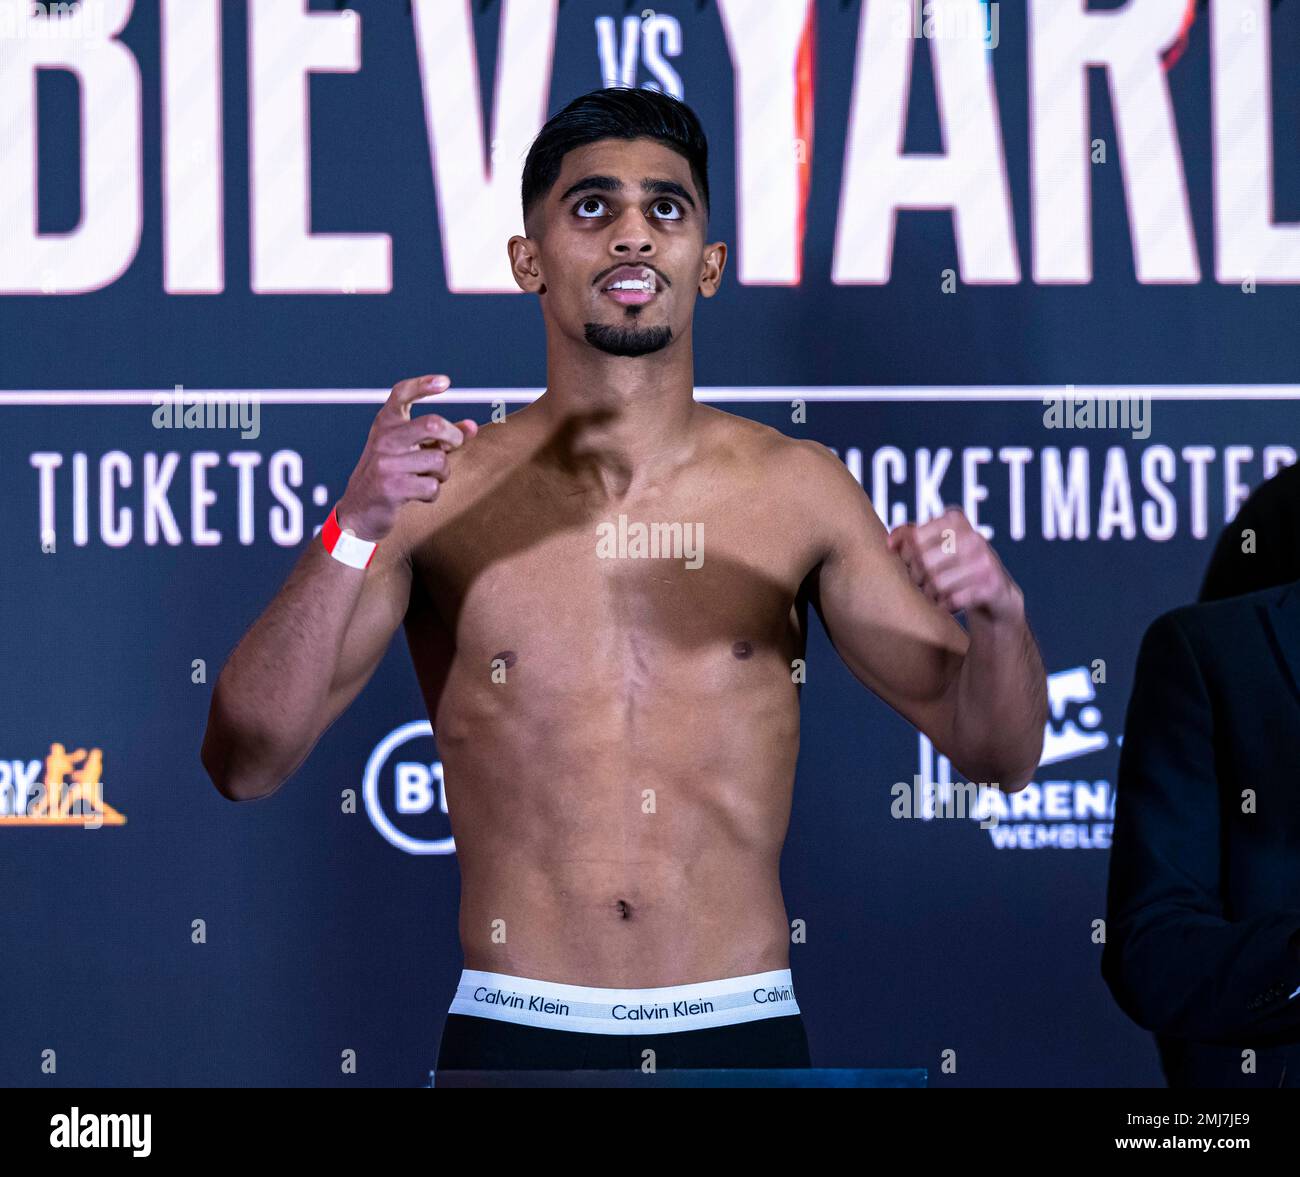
<point>616,112</point>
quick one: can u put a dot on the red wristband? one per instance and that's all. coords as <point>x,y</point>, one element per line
<point>343,544</point>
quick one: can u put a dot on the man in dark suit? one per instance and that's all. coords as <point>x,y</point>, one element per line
<point>1203,902</point>
<point>1260,548</point>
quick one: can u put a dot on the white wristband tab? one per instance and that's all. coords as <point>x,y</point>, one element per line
<point>344,545</point>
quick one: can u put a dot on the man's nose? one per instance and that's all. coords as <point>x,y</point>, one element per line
<point>632,234</point>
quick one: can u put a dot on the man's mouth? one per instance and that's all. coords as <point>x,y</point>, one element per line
<point>631,285</point>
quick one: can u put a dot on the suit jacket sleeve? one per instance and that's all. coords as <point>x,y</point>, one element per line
<point>1175,965</point>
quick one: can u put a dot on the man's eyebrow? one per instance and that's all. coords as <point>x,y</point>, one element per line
<point>611,184</point>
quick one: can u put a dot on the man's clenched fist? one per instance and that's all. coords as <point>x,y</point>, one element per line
<point>405,460</point>
<point>954,565</point>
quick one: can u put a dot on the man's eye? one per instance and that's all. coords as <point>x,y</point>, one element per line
<point>587,213</point>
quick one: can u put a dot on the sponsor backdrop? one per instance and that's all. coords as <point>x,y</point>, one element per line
<point>937,219</point>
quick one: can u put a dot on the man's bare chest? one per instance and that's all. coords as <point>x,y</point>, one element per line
<point>668,582</point>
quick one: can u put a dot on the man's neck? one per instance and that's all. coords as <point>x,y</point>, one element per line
<point>615,423</point>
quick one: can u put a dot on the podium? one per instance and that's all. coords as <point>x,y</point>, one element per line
<point>686,1077</point>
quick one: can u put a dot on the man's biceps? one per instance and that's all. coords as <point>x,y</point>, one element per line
<point>928,707</point>
<point>911,673</point>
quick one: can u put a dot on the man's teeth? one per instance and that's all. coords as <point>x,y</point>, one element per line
<point>632,284</point>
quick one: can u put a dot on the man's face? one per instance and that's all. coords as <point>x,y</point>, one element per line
<point>617,247</point>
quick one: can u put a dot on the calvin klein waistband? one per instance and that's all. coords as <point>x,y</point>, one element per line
<point>696,1006</point>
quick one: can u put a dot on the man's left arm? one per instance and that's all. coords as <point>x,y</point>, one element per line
<point>1000,700</point>
<point>886,601</point>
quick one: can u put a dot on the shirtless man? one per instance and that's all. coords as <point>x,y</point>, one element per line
<point>619,735</point>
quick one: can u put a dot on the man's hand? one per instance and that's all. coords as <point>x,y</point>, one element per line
<point>404,460</point>
<point>1000,698</point>
<point>955,567</point>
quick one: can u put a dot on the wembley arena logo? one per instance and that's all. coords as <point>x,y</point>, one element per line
<point>1052,811</point>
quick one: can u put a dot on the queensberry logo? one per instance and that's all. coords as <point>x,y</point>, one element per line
<point>64,789</point>
<point>404,792</point>
<point>1052,811</point>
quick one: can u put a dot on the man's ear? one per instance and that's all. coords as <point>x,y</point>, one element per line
<point>715,261</point>
<point>525,265</point>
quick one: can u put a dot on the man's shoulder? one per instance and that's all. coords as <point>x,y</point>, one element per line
<point>753,441</point>
<point>1222,619</point>
<point>474,468</point>
<point>800,487</point>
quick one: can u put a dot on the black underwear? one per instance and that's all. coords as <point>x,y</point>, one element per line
<point>485,1044</point>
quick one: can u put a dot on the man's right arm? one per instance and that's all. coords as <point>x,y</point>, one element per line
<point>300,665</point>
<point>309,654</point>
